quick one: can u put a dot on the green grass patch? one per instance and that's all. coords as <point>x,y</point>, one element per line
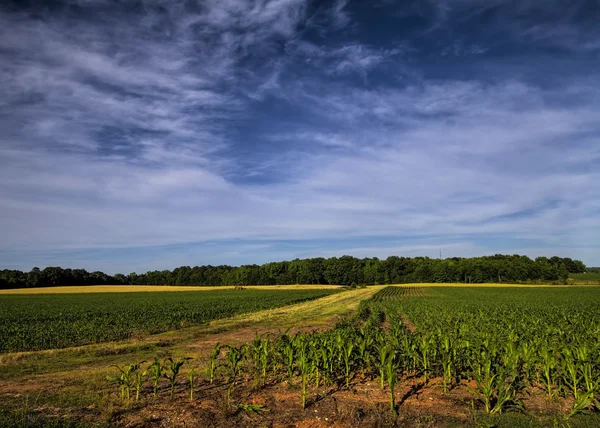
<point>585,277</point>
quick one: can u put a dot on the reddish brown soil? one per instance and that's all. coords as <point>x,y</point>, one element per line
<point>408,323</point>
<point>363,404</point>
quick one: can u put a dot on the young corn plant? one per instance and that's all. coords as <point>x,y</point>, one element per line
<point>173,371</point>
<point>315,347</point>
<point>570,369</point>
<point>139,381</point>
<point>365,343</point>
<point>235,355</point>
<point>583,403</point>
<point>548,367</point>
<point>485,379</point>
<point>303,365</point>
<point>212,362</point>
<point>383,352</point>
<point>192,378</point>
<point>590,380</point>
<point>447,357</point>
<point>390,373</point>
<point>347,357</point>
<point>424,349</point>
<point>156,374</point>
<point>260,351</point>
<point>126,379</point>
<point>529,360</point>
<point>493,382</point>
<point>328,358</point>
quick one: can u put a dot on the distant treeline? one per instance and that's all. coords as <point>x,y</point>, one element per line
<point>345,270</point>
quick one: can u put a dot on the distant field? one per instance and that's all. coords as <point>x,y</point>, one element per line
<point>486,285</point>
<point>48,321</point>
<point>586,277</point>
<point>593,277</point>
<point>151,288</point>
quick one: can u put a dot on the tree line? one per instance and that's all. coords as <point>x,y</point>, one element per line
<point>345,270</point>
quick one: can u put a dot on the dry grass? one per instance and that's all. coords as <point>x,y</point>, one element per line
<point>149,288</point>
<point>314,312</point>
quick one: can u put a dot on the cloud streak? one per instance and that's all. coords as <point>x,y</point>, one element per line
<point>238,124</point>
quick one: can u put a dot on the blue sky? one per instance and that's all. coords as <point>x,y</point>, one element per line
<point>153,134</point>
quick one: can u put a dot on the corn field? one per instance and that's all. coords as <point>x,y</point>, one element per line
<point>501,343</point>
<point>52,321</point>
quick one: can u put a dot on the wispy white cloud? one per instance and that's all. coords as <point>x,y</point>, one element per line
<point>346,59</point>
<point>178,124</point>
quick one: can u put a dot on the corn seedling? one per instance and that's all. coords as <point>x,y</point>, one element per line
<point>212,362</point>
<point>582,403</point>
<point>548,365</point>
<point>234,356</point>
<point>139,381</point>
<point>156,374</point>
<point>288,352</point>
<point>260,350</point>
<point>173,371</point>
<point>126,379</point>
<point>303,367</point>
<point>252,408</point>
<point>424,349</point>
<point>390,373</point>
<point>570,369</point>
<point>447,356</point>
<point>192,378</point>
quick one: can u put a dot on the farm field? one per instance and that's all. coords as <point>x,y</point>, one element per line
<point>585,278</point>
<point>381,356</point>
<point>153,288</point>
<point>49,321</point>
<point>496,353</point>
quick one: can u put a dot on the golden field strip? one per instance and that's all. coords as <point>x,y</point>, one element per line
<point>154,288</point>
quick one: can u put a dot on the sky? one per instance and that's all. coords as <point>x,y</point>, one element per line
<point>150,134</point>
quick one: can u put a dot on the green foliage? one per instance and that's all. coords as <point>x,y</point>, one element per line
<point>589,276</point>
<point>173,367</point>
<point>156,374</point>
<point>252,408</point>
<point>128,378</point>
<point>212,362</point>
<point>37,322</point>
<point>345,270</point>
<point>501,340</point>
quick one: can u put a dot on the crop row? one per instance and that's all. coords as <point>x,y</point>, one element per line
<point>396,292</point>
<point>57,321</point>
<point>502,346</point>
